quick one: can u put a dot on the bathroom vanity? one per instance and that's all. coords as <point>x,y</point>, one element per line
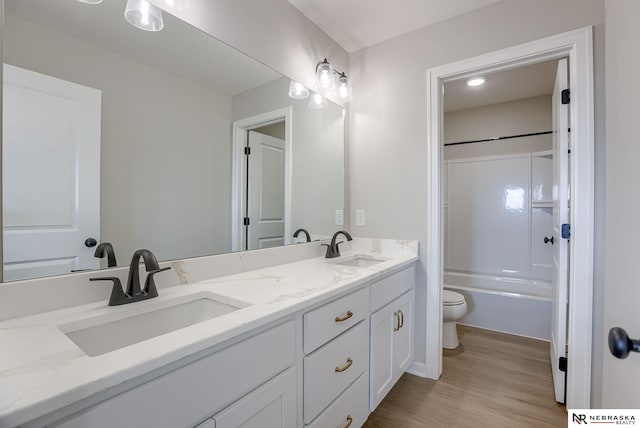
<point>315,342</point>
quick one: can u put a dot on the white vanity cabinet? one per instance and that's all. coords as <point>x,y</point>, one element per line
<point>326,365</point>
<point>336,342</point>
<point>391,332</point>
<point>259,366</point>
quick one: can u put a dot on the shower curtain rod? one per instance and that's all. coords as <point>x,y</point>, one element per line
<point>499,138</point>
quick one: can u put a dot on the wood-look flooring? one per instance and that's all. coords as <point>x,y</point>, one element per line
<point>491,380</point>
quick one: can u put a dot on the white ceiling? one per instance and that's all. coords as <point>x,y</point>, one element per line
<point>179,48</point>
<point>356,24</point>
<point>502,86</point>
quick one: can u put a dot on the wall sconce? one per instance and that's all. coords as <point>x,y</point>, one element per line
<point>344,87</point>
<point>325,79</point>
<point>317,101</point>
<point>324,75</point>
<point>298,91</point>
<point>143,15</point>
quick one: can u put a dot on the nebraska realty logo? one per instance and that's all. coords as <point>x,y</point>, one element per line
<point>602,416</point>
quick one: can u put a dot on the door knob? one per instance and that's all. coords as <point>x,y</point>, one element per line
<point>620,344</point>
<point>90,242</point>
<point>547,240</point>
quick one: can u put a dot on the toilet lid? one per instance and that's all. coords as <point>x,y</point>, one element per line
<point>452,298</point>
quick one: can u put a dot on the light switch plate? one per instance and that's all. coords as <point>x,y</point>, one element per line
<point>339,217</point>
<point>360,218</point>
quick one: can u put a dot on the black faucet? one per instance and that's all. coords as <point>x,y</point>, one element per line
<point>134,293</point>
<point>297,232</point>
<point>105,248</point>
<point>332,248</point>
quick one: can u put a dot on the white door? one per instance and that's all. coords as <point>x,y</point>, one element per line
<point>265,193</point>
<point>51,174</point>
<point>560,217</point>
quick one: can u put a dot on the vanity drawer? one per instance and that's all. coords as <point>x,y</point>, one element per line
<point>350,409</point>
<point>193,392</point>
<point>394,285</point>
<point>328,321</point>
<point>332,368</point>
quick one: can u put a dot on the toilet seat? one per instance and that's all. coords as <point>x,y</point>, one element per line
<point>451,298</point>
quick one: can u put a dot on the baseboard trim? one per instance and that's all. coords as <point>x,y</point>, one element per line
<point>417,369</point>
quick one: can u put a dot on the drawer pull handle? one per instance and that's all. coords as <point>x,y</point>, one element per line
<point>401,318</point>
<point>349,315</point>
<point>349,421</point>
<point>396,315</point>
<point>341,369</point>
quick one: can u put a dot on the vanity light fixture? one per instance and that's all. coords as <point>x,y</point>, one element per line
<point>298,91</point>
<point>325,79</point>
<point>344,87</point>
<point>475,81</point>
<point>90,1</point>
<point>317,101</point>
<point>143,15</point>
<point>324,75</point>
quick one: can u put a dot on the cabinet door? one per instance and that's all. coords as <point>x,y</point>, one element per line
<point>391,346</point>
<point>403,337</point>
<point>272,405</point>
<point>383,324</point>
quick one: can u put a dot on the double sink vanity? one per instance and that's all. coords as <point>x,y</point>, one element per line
<point>295,342</point>
<point>249,328</point>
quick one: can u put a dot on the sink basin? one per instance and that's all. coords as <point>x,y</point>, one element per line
<point>99,335</point>
<point>360,260</point>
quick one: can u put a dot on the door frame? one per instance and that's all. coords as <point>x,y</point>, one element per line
<point>238,169</point>
<point>577,45</point>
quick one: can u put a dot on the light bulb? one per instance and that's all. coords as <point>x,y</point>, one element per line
<point>298,91</point>
<point>143,15</point>
<point>317,101</point>
<point>324,75</point>
<point>344,88</point>
<point>476,81</point>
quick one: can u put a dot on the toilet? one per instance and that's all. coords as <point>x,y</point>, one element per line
<point>454,308</point>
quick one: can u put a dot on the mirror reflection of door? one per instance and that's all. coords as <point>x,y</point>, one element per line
<point>265,209</point>
<point>51,174</point>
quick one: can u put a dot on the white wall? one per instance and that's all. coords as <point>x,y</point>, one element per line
<point>525,116</point>
<point>317,154</point>
<point>387,124</point>
<point>149,183</point>
<point>620,378</point>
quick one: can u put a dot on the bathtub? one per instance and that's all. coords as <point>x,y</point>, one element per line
<point>509,305</point>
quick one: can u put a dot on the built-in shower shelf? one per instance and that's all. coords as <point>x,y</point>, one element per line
<point>542,204</point>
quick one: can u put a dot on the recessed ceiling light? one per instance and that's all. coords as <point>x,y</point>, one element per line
<point>475,81</point>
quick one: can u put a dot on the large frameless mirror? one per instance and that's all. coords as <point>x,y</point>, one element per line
<point>116,135</point>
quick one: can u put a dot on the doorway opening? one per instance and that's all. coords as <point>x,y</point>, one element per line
<point>576,46</point>
<point>261,181</point>
<point>506,180</point>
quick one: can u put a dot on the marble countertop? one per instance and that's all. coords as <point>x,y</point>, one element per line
<point>42,370</point>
